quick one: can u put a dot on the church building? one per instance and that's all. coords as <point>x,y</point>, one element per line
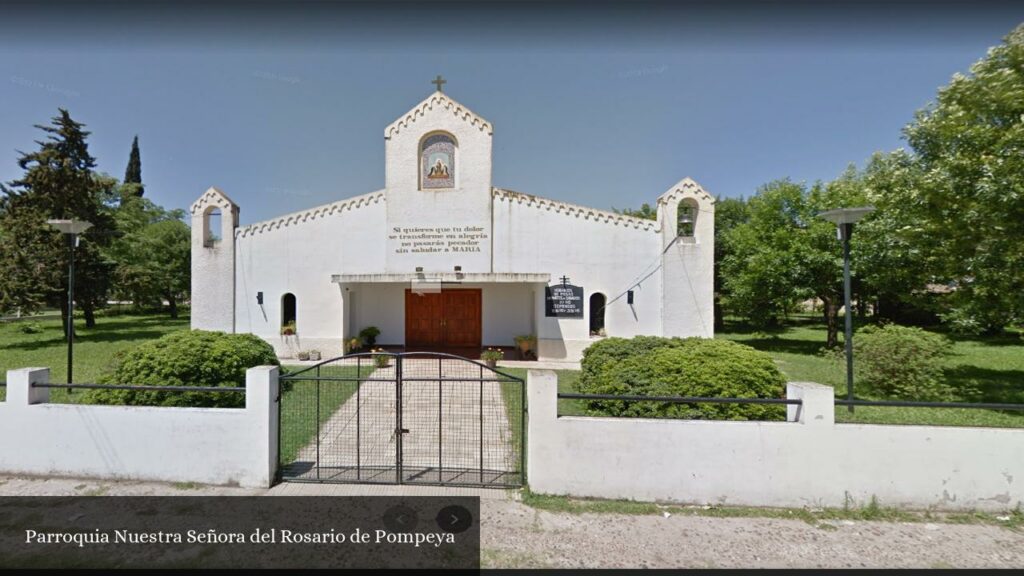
<point>440,259</point>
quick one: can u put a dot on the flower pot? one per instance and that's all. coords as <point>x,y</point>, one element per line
<point>314,355</point>
<point>491,363</point>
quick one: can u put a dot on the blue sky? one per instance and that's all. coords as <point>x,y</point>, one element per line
<point>284,109</point>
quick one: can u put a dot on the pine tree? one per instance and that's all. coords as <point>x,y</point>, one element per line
<point>58,183</point>
<point>133,173</point>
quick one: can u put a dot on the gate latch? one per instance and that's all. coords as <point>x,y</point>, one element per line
<point>403,430</point>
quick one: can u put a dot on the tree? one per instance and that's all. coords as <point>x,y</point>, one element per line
<point>58,183</point>
<point>889,250</point>
<point>646,211</point>
<point>970,202</point>
<point>133,173</point>
<point>153,254</point>
<point>729,213</point>
<point>761,272</point>
<point>785,253</point>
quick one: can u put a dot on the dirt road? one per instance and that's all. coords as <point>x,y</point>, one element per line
<point>517,536</point>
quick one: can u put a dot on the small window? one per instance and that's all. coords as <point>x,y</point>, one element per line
<point>211,226</point>
<point>288,326</point>
<point>597,304</point>
<point>686,220</point>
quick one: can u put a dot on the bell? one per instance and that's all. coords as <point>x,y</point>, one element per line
<point>685,221</point>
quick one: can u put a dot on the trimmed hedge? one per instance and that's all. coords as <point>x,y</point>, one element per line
<point>903,363</point>
<point>654,366</point>
<point>186,358</point>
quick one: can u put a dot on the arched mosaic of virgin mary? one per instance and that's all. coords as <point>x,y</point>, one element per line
<point>437,161</point>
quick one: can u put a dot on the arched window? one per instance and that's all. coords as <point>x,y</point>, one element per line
<point>437,161</point>
<point>288,314</point>
<point>211,226</point>
<point>597,303</point>
<point>686,219</point>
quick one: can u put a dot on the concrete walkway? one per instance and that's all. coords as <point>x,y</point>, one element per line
<point>534,364</point>
<point>539,364</point>
<point>444,419</point>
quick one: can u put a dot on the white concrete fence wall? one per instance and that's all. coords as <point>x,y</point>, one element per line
<point>808,461</point>
<point>203,445</point>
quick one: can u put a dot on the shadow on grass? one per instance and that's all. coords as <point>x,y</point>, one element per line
<point>987,384</point>
<point>1008,339</point>
<point>786,345</point>
<point>106,331</point>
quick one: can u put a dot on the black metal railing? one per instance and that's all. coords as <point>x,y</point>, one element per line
<point>679,399</point>
<point>789,401</point>
<point>214,389</point>
<point>918,404</point>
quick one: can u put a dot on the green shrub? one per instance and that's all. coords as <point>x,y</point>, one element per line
<point>903,363</point>
<point>652,366</point>
<point>30,328</point>
<point>604,353</point>
<point>185,358</point>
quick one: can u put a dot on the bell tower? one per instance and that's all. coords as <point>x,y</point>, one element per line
<point>686,214</point>
<point>214,219</point>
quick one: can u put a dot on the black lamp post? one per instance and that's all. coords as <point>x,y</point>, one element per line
<point>71,229</point>
<point>844,219</point>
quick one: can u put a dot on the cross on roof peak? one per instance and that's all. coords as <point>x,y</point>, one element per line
<point>440,82</point>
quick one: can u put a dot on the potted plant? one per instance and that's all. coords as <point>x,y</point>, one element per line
<point>369,335</point>
<point>314,354</point>
<point>525,343</point>
<point>353,345</point>
<point>288,329</point>
<point>303,355</point>
<point>491,357</point>
<point>380,358</point>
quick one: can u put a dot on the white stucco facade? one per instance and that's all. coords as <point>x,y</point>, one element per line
<point>440,219</point>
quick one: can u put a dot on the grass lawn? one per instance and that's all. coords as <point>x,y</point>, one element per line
<point>992,365</point>
<point>95,348</point>
<point>300,418</point>
<point>514,396</point>
<point>566,383</point>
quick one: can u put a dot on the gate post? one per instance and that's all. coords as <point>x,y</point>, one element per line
<point>542,399</point>
<point>262,404</point>
<point>398,419</point>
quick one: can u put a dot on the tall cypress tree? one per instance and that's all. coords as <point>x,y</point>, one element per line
<point>58,183</point>
<point>133,173</point>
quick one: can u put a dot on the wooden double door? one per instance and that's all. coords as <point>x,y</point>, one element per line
<point>446,319</point>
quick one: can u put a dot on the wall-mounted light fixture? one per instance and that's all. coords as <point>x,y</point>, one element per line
<point>259,298</point>
<point>458,268</point>
<point>629,297</point>
<point>419,268</point>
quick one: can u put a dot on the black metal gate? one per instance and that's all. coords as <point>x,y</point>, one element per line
<point>416,417</point>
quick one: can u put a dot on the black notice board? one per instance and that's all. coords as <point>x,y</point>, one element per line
<point>563,301</point>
